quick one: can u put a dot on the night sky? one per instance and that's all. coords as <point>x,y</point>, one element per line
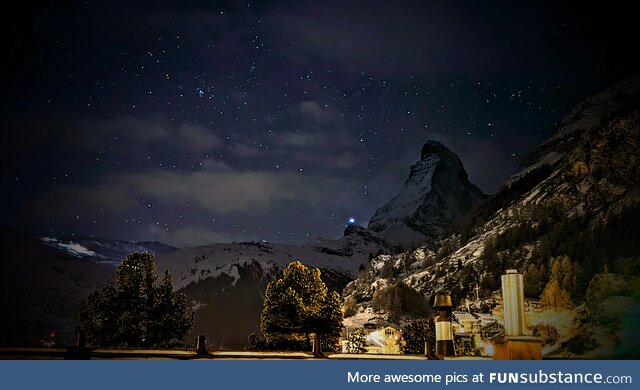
<point>191,122</point>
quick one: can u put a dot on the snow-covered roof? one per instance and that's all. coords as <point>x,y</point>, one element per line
<point>462,316</point>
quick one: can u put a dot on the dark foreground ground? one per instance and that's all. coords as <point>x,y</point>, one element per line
<point>14,353</point>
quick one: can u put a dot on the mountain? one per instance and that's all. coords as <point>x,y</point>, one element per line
<point>105,251</point>
<point>44,281</point>
<point>436,192</point>
<point>568,215</point>
<point>226,282</point>
<point>42,289</point>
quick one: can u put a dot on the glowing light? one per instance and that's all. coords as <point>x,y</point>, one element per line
<point>352,220</point>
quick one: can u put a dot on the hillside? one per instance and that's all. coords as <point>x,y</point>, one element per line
<point>570,214</point>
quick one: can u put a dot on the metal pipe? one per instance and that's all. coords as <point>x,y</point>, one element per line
<point>444,337</point>
<point>513,303</point>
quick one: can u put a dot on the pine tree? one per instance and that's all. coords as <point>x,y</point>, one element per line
<point>357,341</point>
<point>555,297</point>
<point>297,305</point>
<point>570,276</point>
<point>136,312</point>
<point>532,281</point>
<point>416,333</point>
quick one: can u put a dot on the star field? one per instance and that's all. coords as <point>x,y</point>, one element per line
<point>195,121</point>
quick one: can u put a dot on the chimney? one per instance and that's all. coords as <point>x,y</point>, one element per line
<point>513,303</point>
<point>444,338</point>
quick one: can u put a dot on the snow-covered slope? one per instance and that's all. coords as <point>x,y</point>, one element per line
<point>105,251</point>
<point>226,282</point>
<point>346,255</point>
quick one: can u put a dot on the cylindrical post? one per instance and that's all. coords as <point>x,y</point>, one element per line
<point>513,303</point>
<point>444,337</point>
<point>82,340</point>
<point>201,347</point>
<point>316,346</point>
<point>428,348</point>
<point>80,350</point>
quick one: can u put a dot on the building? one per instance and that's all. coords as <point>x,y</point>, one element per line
<point>385,340</point>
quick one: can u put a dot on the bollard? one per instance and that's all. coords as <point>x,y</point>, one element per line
<point>80,350</point>
<point>81,342</point>
<point>428,351</point>
<point>444,338</point>
<point>316,347</point>
<point>201,347</point>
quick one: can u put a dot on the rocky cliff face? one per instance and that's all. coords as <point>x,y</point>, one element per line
<point>436,192</point>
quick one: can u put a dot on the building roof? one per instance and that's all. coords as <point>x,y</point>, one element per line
<point>464,316</point>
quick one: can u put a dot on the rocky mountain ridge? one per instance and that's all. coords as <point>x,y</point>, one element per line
<point>576,196</point>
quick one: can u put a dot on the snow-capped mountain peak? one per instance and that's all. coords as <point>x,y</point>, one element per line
<point>438,179</point>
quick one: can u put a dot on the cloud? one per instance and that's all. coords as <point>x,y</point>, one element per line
<point>125,134</point>
<point>71,202</point>
<point>210,165</point>
<point>245,151</point>
<point>217,192</point>
<point>196,236</point>
<point>196,137</point>
<point>382,39</point>
<point>187,237</point>
<point>297,140</point>
<point>342,161</point>
<point>126,128</point>
<point>314,110</point>
<point>220,193</point>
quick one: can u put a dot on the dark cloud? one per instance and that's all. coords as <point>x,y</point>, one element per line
<point>218,193</point>
<point>317,112</point>
<point>197,138</point>
<point>429,38</point>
